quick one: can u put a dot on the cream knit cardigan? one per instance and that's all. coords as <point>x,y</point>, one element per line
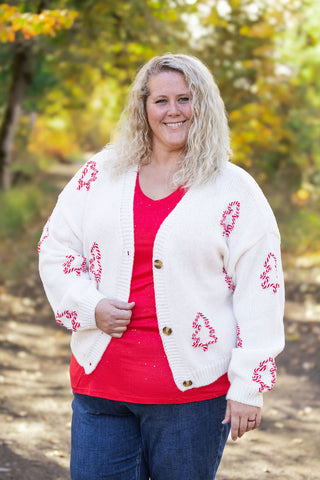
<point>217,275</point>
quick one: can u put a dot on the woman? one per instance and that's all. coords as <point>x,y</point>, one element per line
<point>164,260</point>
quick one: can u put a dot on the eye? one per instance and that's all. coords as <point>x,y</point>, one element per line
<point>184,99</point>
<point>161,100</point>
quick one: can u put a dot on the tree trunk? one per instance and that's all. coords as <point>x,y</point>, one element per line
<point>20,80</point>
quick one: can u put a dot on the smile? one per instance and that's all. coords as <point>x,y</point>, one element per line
<point>173,125</point>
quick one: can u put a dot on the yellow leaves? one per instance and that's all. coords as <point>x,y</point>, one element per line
<point>245,31</point>
<point>300,197</point>
<point>257,128</point>
<point>302,194</point>
<point>235,115</point>
<point>261,30</point>
<point>172,15</point>
<point>30,25</point>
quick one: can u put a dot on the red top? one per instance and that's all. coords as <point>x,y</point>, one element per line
<point>134,368</point>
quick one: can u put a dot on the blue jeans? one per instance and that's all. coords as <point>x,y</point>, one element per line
<point>129,441</point>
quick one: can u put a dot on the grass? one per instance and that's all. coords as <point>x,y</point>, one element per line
<point>19,208</point>
<point>23,211</point>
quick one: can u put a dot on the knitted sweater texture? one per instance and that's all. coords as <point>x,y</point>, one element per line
<point>217,274</point>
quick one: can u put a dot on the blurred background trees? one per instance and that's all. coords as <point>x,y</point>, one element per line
<point>76,59</point>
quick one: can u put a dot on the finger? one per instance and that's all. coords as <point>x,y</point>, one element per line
<point>243,425</point>
<point>121,314</point>
<point>235,425</point>
<point>122,305</point>
<point>227,416</point>
<point>258,419</point>
<point>251,425</point>
<point>116,334</point>
<point>119,328</point>
<point>124,314</point>
<point>121,321</point>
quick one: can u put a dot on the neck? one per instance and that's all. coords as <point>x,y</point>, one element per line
<point>156,178</point>
<point>167,160</point>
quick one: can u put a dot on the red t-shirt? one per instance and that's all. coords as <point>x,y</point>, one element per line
<point>134,368</point>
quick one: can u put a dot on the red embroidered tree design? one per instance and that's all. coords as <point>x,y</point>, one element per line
<point>69,316</point>
<point>265,374</point>
<point>270,275</point>
<point>229,217</point>
<point>228,280</point>
<point>76,267</point>
<point>88,174</point>
<point>204,333</point>
<point>45,234</point>
<point>239,339</point>
<point>94,262</point>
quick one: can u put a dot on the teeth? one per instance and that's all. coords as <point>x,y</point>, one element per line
<point>174,124</point>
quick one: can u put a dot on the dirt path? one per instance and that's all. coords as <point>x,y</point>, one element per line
<point>35,395</point>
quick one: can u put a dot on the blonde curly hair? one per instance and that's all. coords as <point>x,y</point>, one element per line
<point>208,144</point>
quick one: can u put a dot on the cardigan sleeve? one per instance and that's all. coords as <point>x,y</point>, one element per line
<point>254,262</point>
<point>64,270</point>
<point>258,304</point>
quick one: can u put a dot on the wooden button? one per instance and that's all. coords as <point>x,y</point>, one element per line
<point>167,330</point>
<point>187,383</point>
<point>158,263</point>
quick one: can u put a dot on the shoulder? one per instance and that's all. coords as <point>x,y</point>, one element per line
<point>103,161</point>
<point>238,178</point>
<point>96,171</point>
<point>235,181</point>
<point>237,187</point>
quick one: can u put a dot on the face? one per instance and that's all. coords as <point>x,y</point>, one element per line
<point>169,111</point>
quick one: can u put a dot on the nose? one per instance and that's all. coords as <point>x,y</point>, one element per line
<point>173,108</point>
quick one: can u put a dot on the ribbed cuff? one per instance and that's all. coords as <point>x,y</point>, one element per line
<point>241,392</point>
<point>86,309</point>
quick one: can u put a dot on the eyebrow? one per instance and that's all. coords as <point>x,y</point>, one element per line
<point>185,94</point>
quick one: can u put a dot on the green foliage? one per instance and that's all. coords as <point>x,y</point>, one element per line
<point>19,208</point>
<point>300,231</point>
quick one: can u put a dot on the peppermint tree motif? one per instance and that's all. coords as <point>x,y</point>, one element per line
<point>94,262</point>
<point>239,339</point>
<point>228,280</point>
<point>269,276</point>
<point>45,234</point>
<point>229,217</point>
<point>88,174</point>
<point>65,318</point>
<point>73,264</point>
<point>204,333</point>
<point>265,374</point>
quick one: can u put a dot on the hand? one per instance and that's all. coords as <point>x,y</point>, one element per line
<point>113,316</point>
<point>239,415</point>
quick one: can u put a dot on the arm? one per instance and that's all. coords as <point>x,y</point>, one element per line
<point>64,269</point>
<point>258,306</point>
<point>71,275</point>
